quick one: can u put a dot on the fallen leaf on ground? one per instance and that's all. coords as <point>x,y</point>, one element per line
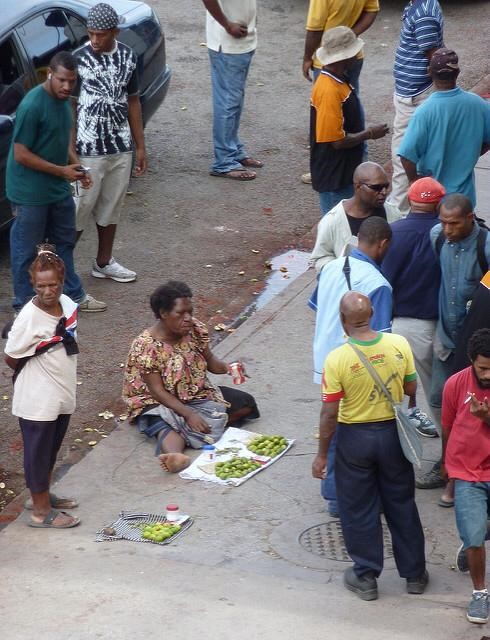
<point>89,428</point>
<point>283,269</point>
<point>220,327</point>
<point>78,440</point>
<point>255,251</point>
<point>92,443</point>
<point>183,107</point>
<point>241,273</point>
<point>123,416</point>
<point>106,415</point>
<point>2,485</point>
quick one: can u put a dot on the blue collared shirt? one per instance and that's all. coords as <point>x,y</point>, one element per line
<point>367,279</point>
<point>412,268</point>
<point>461,274</point>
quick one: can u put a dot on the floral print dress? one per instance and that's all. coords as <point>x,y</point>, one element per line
<point>182,366</point>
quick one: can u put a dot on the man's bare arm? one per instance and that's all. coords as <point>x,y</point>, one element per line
<point>313,40</point>
<point>410,169</point>
<point>366,19</point>
<point>28,159</point>
<point>235,29</point>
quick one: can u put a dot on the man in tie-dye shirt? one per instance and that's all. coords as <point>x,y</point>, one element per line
<point>108,115</point>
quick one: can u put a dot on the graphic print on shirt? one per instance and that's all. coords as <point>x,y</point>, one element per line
<point>104,83</point>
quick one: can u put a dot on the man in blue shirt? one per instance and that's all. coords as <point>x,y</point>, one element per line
<point>357,271</point>
<point>461,273</point>
<point>449,132</point>
<point>421,34</point>
<point>412,269</point>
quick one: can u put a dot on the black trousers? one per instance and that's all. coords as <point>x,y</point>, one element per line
<point>42,441</point>
<point>371,470</point>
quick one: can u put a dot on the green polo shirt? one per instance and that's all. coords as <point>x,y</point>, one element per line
<point>43,125</point>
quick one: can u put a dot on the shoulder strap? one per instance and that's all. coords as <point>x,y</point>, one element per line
<point>373,373</point>
<point>439,242</point>
<point>481,241</point>
<point>346,271</point>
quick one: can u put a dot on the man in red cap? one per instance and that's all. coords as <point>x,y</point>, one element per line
<point>413,271</point>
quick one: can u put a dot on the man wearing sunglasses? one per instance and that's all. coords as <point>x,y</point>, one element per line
<point>341,225</point>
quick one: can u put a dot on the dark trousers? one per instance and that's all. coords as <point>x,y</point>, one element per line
<point>42,441</point>
<point>370,469</point>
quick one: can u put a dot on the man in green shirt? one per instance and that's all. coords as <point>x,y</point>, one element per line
<point>39,173</point>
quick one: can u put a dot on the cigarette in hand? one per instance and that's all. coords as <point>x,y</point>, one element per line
<point>469,397</point>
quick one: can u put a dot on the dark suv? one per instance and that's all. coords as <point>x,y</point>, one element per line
<point>32,31</point>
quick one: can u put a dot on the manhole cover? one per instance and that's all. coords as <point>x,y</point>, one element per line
<point>326,540</point>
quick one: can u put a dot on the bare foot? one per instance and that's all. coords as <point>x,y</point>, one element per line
<point>174,462</point>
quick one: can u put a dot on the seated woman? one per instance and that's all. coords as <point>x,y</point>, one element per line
<point>166,387</point>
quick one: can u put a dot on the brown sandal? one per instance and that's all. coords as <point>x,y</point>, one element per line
<point>235,174</point>
<point>251,162</point>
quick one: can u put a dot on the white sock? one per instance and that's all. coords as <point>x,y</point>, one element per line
<point>480,591</point>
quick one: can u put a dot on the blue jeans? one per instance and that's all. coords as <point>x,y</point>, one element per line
<point>328,199</point>
<point>33,225</point>
<point>328,490</point>
<point>229,73</point>
<point>471,505</point>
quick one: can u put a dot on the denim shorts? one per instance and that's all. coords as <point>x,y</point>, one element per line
<point>472,503</point>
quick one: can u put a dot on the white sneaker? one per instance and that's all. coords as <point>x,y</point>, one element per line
<point>90,305</point>
<point>306,178</point>
<point>114,271</point>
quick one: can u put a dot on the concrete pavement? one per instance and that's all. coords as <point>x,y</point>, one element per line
<point>240,571</point>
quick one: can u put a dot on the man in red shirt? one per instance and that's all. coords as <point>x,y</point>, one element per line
<point>466,458</point>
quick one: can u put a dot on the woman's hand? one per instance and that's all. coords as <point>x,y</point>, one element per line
<point>197,423</point>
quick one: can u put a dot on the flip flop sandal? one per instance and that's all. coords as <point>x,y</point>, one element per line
<point>239,174</point>
<point>447,504</point>
<point>251,162</point>
<point>47,523</point>
<point>56,502</point>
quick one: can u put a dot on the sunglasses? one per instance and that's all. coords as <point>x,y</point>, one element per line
<point>377,187</point>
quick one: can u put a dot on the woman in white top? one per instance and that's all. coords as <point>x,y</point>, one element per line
<point>42,350</point>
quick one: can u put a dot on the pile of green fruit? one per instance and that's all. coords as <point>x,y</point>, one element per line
<point>235,468</point>
<point>269,446</point>
<point>159,531</point>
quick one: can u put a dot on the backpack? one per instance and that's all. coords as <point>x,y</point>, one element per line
<point>480,244</point>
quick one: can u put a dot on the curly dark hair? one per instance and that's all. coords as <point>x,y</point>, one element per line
<point>479,344</point>
<point>163,298</point>
<point>47,260</point>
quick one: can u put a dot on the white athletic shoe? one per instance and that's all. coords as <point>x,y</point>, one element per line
<point>114,271</point>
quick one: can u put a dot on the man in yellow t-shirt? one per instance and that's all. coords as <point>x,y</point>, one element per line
<point>359,15</point>
<point>370,468</point>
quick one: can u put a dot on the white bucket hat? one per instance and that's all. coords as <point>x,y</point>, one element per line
<point>339,43</point>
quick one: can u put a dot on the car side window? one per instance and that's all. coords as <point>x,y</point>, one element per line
<point>78,28</point>
<point>43,36</point>
<point>14,82</point>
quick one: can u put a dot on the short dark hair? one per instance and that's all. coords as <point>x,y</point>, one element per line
<point>479,344</point>
<point>374,229</point>
<point>457,201</point>
<point>163,298</point>
<point>63,59</point>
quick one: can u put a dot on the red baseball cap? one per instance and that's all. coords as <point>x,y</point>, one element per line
<point>426,190</point>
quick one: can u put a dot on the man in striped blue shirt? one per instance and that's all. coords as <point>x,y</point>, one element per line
<point>421,34</point>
